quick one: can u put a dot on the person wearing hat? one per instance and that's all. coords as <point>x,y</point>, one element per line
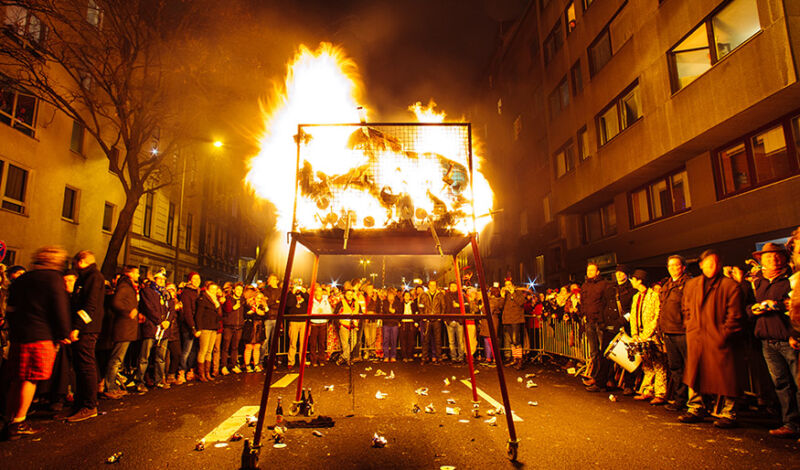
<point>715,323</point>
<point>767,307</point>
<point>152,311</point>
<point>644,320</point>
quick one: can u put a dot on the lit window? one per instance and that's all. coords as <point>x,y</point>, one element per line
<point>661,198</point>
<point>730,27</point>
<point>583,144</point>
<point>94,14</point>
<point>21,22</point>
<point>17,109</point>
<point>770,155</point>
<point>735,174</point>
<point>620,114</point>
<point>565,159</point>
<point>570,18</point>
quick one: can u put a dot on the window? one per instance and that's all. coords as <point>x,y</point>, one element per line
<point>760,158</point>
<point>188,242</point>
<point>94,14</point>
<point>569,17</point>
<point>553,42</point>
<point>600,223</point>
<point>17,109</point>
<point>546,209</point>
<point>620,114</point>
<point>14,184</point>
<point>577,78</point>
<point>69,207</point>
<point>583,144</point>
<point>661,198</point>
<point>170,223</point>
<point>11,258</point>
<point>517,127</point>
<point>76,142</point>
<point>148,215</point>
<point>599,52</point>
<point>559,98</point>
<point>610,40</point>
<point>565,159</point>
<point>727,29</point>
<point>108,216</point>
<point>24,24</point>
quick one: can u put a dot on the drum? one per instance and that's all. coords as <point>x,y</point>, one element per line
<point>622,351</point>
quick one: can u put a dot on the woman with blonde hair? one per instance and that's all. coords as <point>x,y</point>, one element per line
<point>206,320</point>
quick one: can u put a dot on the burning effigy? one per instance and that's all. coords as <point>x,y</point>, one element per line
<point>325,167</point>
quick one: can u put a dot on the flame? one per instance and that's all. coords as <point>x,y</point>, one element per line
<point>323,87</point>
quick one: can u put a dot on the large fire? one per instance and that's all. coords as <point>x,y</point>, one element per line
<point>360,176</point>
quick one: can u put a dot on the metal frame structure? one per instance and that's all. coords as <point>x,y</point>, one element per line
<point>377,242</point>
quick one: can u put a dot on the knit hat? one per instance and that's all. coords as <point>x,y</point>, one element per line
<point>641,275</point>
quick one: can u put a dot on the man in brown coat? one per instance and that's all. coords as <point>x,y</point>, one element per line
<point>715,320</point>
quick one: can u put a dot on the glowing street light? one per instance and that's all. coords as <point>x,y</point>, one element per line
<point>218,144</point>
<point>364,262</point>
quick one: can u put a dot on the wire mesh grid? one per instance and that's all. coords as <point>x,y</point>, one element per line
<point>384,176</point>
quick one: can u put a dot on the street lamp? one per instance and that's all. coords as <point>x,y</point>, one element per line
<point>364,262</point>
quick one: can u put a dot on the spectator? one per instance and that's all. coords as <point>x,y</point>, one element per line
<point>296,304</point>
<point>152,311</point>
<point>644,320</point>
<point>794,300</point>
<point>232,324</point>
<point>767,306</point>
<point>169,342</point>
<point>371,303</point>
<point>125,327</point>
<point>319,327</point>
<point>87,321</point>
<point>672,326</point>
<point>391,326</point>
<point>408,329</point>
<point>712,306</point>
<point>253,332</point>
<point>593,306</point>
<point>431,302</point>
<point>348,328</point>
<point>513,320</point>
<point>455,330</point>
<point>207,319</point>
<point>272,293</point>
<point>188,301</point>
<point>38,316</point>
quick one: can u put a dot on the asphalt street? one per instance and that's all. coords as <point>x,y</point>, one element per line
<point>567,428</point>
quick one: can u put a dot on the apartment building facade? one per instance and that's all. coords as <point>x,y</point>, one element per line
<point>56,189</point>
<point>670,126</point>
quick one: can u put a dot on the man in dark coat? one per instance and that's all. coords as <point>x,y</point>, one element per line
<point>152,311</point>
<point>715,319</point>
<point>38,316</point>
<point>87,322</point>
<point>767,306</point>
<point>124,307</point>
<point>431,302</point>
<point>594,303</point>
<point>672,326</point>
<point>188,300</point>
<point>273,295</point>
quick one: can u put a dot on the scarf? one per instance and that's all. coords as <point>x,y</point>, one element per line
<point>771,274</point>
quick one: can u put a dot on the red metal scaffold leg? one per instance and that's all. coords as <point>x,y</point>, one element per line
<point>466,339</point>
<point>307,329</point>
<point>513,443</point>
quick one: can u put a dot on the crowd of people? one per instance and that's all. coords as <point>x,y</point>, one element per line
<point>72,337</point>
